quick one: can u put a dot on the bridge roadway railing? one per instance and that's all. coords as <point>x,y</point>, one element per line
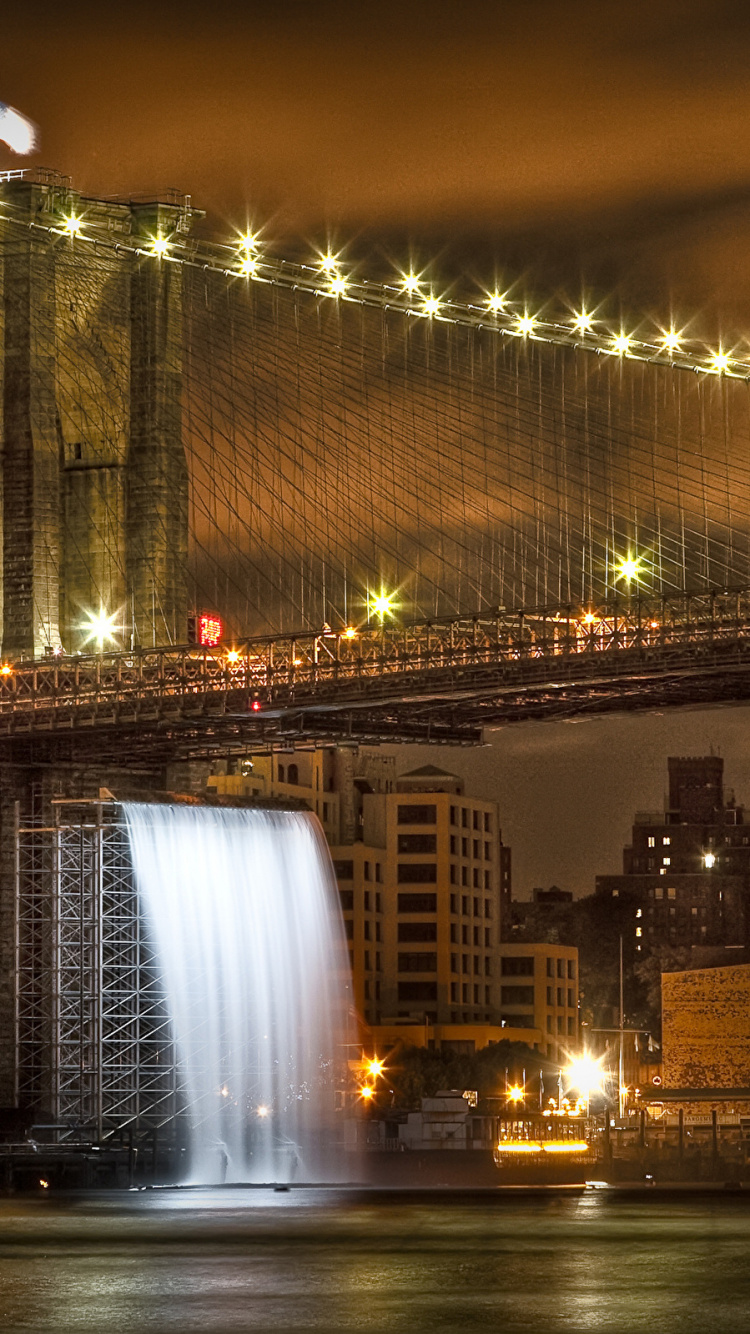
<point>502,651</point>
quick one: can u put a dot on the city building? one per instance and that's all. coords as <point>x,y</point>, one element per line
<point>686,873</point>
<point>331,781</point>
<point>705,1041</point>
<point>422,900</point>
<point>539,990</point>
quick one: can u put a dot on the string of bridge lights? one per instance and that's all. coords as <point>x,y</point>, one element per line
<point>413,294</point>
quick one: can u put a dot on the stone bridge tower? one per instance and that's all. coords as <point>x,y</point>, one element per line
<point>94,474</point>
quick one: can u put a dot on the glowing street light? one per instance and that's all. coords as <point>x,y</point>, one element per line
<point>382,604</point>
<point>100,628</point>
<point>262,1111</point>
<point>515,1093</point>
<point>630,568</point>
<point>159,246</point>
<point>375,1068</point>
<point>431,306</point>
<point>248,241</point>
<point>496,303</point>
<point>719,362</point>
<point>621,344</point>
<point>709,860</point>
<point>526,324</point>
<point>329,263</point>
<point>72,225</point>
<point>350,632</point>
<point>248,266</point>
<point>671,341</point>
<point>585,1076</point>
<point>582,322</point>
<point>410,282</point>
<point>337,286</point>
<point>366,1092</point>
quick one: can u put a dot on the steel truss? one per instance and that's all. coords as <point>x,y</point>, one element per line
<point>93,1041</point>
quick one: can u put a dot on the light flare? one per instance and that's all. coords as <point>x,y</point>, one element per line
<point>526,324</point>
<point>159,246</point>
<point>630,568</point>
<point>410,282</point>
<point>17,131</point>
<point>100,628</point>
<point>382,604</point>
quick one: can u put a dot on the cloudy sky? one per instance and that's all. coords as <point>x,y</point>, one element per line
<point>574,143</point>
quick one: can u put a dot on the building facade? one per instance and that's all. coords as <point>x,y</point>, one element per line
<point>539,990</point>
<point>686,873</point>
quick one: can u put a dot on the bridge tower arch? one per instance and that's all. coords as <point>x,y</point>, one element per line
<point>94,475</point>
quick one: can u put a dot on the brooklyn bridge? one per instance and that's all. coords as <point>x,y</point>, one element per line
<point>249,501</point>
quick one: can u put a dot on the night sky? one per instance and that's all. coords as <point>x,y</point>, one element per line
<point>576,146</point>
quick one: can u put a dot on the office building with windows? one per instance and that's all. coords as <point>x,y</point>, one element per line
<point>539,990</point>
<point>686,873</point>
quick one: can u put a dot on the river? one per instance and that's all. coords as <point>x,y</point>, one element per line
<point>243,1259</point>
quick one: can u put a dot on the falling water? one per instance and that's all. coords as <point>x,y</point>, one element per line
<point>242,907</point>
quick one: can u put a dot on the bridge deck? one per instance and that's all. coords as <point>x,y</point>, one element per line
<point>437,680</point>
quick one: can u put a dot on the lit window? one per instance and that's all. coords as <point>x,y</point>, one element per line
<point>667,861</point>
<point>666,842</point>
<point>639,912</point>
<point>671,893</point>
<point>652,842</point>
<point>662,870</point>
<point>638,931</point>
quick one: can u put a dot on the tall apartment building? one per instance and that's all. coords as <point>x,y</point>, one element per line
<point>442,868</point>
<point>686,873</point>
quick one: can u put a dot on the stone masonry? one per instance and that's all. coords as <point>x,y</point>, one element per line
<point>93,466</point>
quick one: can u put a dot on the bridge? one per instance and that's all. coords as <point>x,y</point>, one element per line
<point>426,681</point>
<point>409,513</point>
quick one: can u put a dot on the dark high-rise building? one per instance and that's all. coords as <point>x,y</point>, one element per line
<point>686,873</point>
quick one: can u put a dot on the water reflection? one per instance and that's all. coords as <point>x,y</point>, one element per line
<point>358,1261</point>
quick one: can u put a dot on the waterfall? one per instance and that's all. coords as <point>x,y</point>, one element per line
<point>242,908</point>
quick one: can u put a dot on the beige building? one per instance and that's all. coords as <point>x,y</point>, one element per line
<point>330,781</point>
<point>421,899</point>
<point>539,990</point>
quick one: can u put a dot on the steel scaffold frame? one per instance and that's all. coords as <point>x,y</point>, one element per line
<point>93,1040</point>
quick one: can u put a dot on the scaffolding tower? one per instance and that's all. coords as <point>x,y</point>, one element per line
<point>94,1048</point>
